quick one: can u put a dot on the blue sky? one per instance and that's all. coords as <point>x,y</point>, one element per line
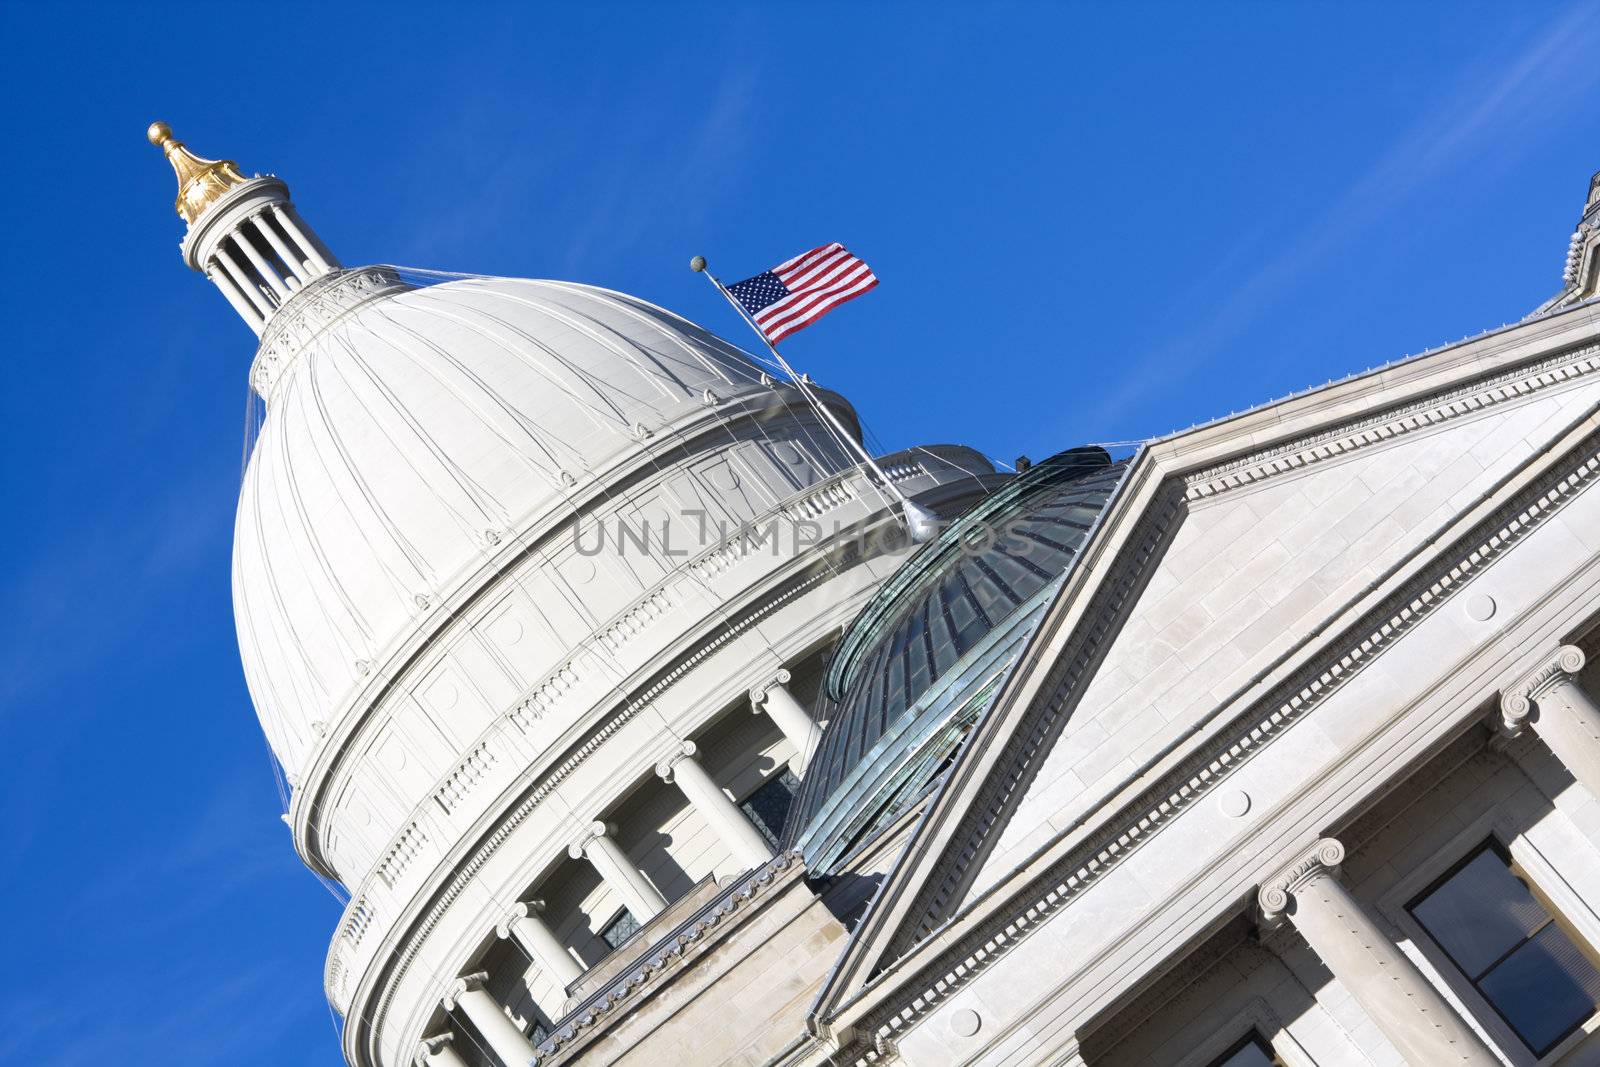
<point>1091,223</point>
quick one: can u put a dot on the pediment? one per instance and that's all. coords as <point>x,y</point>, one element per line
<point>1233,549</point>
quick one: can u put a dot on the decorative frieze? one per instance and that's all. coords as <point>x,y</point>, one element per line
<point>467,774</point>
<point>316,307</point>
<point>634,621</point>
<point>406,847</point>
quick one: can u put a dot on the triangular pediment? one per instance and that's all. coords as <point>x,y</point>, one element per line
<point>1232,551</point>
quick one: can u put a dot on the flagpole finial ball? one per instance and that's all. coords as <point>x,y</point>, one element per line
<point>697,264</point>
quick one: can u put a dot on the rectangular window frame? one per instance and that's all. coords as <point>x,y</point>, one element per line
<point>1255,1017</point>
<point>1525,825</point>
<point>1554,916</point>
<point>1251,1036</point>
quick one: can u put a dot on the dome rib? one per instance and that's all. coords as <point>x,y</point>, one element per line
<point>413,431</point>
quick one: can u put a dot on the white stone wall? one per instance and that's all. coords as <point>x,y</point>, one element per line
<point>1255,571</point>
<point>1278,986</point>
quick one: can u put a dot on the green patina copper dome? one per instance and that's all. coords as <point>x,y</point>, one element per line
<point>926,655</point>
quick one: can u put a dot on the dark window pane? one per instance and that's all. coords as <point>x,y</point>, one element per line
<point>768,806</point>
<point>1252,1053</point>
<point>620,929</point>
<point>1545,989</point>
<point>1480,913</point>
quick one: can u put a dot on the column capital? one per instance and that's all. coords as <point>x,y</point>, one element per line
<point>1517,700</point>
<point>432,1046</point>
<point>681,751</point>
<point>467,983</point>
<point>758,692</point>
<point>520,910</point>
<point>1317,861</point>
<point>579,848</point>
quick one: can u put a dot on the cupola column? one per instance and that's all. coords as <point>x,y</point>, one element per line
<point>618,872</point>
<point>1567,720</point>
<point>230,289</point>
<point>503,1036</point>
<point>774,698</point>
<point>265,270</point>
<point>681,768</point>
<point>296,227</point>
<point>298,274</point>
<point>524,925</point>
<point>246,286</point>
<point>1396,996</point>
<point>439,1051</point>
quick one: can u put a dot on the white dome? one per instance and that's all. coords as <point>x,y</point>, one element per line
<point>412,430</point>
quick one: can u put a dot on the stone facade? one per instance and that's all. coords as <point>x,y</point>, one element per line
<point>1307,664</point>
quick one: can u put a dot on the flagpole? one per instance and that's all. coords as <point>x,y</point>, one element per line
<point>921,523</point>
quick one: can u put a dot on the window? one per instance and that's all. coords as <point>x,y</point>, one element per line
<point>768,806</point>
<point>1251,1051</point>
<point>621,927</point>
<point>1505,940</point>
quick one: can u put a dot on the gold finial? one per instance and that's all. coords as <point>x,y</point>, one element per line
<point>201,182</point>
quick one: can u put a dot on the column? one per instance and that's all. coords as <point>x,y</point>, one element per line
<point>439,1051</point>
<point>1396,996</point>
<point>1567,721</point>
<point>785,711</point>
<point>618,872</point>
<point>509,1044</point>
<point>246,310</point>
<point>680,767</point>
<point>263,268</point>
<point>231,268</point>
<point>290,260</point>
<point>523,924</point>
<point>298,232</point>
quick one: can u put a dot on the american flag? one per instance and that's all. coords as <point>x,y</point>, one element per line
<point>796,293</point>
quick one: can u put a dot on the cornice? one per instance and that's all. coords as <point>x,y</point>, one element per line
<point>676,951</point>
<point>1429,413</point>
<point>437,613</point>
<point>1180,491</point>
<point>407,845</point>
<point>943,963</point>
<point>1413,379</point>
<point>408,932</point>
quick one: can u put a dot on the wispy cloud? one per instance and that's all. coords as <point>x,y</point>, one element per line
<point>1479,122</point>
<point>90,593</point>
